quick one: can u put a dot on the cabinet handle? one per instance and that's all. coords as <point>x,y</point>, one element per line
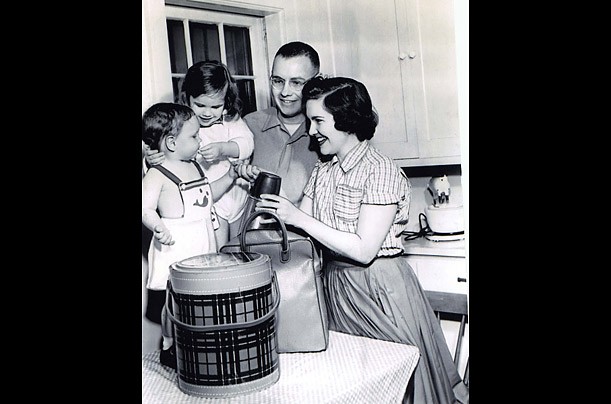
<point>411,55</point>
<point>459,279</point>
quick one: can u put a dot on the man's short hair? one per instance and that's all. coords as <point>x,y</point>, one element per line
<point>297,48</point>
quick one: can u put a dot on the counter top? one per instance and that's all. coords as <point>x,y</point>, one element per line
<point>423,246</point>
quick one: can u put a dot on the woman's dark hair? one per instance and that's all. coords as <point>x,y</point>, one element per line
<point>163,119</point>
<point>210,77</point>
<point>348,101</point>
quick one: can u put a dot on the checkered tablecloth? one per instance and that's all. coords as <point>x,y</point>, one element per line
<point>351,370</point>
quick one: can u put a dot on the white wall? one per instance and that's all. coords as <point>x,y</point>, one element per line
<point>156,71</point>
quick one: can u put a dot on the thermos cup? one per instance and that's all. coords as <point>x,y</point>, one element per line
<point>265,183</point>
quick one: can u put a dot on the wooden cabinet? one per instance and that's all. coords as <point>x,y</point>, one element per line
<point>427,51</point>
<point>404,51</point>
<point>441,274</point>
<point>443,269</point>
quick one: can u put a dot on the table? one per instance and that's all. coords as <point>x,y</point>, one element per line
<point>352,370</point>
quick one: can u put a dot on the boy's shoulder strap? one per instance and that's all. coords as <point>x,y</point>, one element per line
<point>167,173</point>
<point>173,177</point>
<point>199,168</point>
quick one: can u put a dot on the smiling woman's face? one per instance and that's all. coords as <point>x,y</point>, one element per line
<point>322,127</point>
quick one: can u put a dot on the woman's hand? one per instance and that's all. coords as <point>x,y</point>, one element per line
<point>281,206</point>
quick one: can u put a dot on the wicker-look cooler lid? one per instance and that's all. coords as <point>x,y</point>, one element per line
<point>218,260</point>
<point>216,273</point>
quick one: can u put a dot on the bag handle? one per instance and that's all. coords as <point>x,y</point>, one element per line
<point>285,253</point>
<point>222,327</point>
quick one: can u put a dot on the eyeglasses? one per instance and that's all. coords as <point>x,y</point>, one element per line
<point>294,84</point>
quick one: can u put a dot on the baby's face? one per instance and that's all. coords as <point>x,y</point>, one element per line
<point>188,140</point>
<point>209,107</point>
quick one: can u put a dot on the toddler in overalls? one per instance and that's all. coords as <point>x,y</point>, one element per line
<point>177,200</point>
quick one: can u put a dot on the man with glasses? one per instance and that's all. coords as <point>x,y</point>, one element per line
<point>282,144</point>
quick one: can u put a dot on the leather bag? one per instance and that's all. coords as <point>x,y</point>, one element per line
<point>302,324</point>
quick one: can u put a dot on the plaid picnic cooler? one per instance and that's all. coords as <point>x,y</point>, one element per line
<point>222,307</point>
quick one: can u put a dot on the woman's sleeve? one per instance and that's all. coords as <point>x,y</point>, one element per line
<point>308,190</point>
<point>384,185</point>
<point>388,184</point>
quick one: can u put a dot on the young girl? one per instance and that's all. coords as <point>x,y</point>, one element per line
<point>356,205</point>
<point>177,200</point>
<point>210,90</point>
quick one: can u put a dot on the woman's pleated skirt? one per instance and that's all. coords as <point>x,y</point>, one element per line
<point>385,300</point>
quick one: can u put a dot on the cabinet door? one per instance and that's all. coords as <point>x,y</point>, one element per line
<point>404,52</point>
<point>442,274</point>
<point>427,47</point>
<point>366,47</point>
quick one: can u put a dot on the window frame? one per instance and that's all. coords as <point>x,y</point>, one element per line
<point>256,28</point>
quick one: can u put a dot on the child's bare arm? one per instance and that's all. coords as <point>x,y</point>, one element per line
<point>151,189</point>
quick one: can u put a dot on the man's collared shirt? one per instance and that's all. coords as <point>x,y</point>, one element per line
<point>276,150</point>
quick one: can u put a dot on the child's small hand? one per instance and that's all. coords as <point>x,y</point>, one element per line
<point>212,152</point>
<point>247,171</point>
<point>235,168</point>
<point>152,156</point>
<point>163,235</point>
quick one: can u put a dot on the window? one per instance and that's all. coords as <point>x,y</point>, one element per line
<point>195,35</point>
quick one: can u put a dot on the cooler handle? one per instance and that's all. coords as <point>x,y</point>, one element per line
<point>222,327</point>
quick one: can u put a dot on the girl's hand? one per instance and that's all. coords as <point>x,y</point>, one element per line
<point>281,206</point>
<point>163,235</point>
<point>153,157</point>
<point>212,152</point>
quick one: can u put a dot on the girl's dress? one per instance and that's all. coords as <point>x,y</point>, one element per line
<point>384,299</point>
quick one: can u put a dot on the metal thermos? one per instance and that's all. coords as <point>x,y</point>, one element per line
<point>265,183</point>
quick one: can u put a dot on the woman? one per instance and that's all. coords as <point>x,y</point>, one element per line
<point>356,205</point>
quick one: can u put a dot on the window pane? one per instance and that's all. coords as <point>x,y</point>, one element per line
<point>237,47</point>
<point>176,83</point>
<point>178,53</point>
<point>205,44</point>
<point>246,88</point>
